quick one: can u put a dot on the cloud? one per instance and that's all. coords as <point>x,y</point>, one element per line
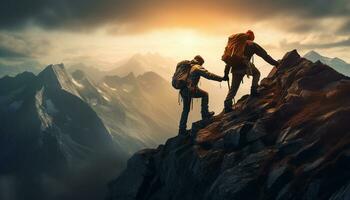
<point>15,45</point>
<point>9,53</point>
<point>290,45</point>
<point>140,15</point>
<point>345,28</point>
<point>19,53</point>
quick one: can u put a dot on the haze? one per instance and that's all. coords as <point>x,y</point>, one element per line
<point>102,33</point>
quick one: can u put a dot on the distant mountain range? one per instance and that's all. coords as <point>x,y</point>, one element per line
<point>56,124</point>
<point>138,64</point>
<point>13,70</point>
<point>48,132</point>
<point>336,63</point>
<point>139,110</point>
<point>141,63</point>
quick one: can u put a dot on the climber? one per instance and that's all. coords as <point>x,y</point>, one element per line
<point>186,78</point>
<point>238,53</point>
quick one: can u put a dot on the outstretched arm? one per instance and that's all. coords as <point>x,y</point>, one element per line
<point>263,54</point>
<point>206,74</point>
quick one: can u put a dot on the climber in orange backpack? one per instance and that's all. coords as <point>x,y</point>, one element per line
<point>238,53</point>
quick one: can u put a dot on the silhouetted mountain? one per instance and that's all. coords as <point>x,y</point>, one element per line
<point>290,142</point>
<point>49,133</point>
<point>139,64</point>
<point>13,70</point>
<point>338,64</point>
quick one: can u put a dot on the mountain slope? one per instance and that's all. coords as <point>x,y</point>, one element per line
<point>291,142</point>
<point>91,72</point>
<point>48,134</point>
<point>13,69</point>
<point>138,112</point>
<point>139,64</point>
<point>338,64</point>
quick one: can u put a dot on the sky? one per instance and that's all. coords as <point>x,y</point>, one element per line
<point>101,33</point>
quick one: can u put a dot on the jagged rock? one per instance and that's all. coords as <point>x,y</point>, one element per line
<point>258,131</point>
<point>196,126</point>
<point>342,194</point>
<point>291,142</point>
<point>220,144</point>
<point>241,181</point>
<point>285,193</point>
<point>307,152</point>
<point>133,182</point>
<point>289,60</point>
<point>229,161</point>
<point>278,177</point>
<point>290,147</point>
<point>311,166</point>
<point>56,77</point>
<point>232,138</point>
<point>256,146</point>
<point>272,72</point>
<point>313,190</point>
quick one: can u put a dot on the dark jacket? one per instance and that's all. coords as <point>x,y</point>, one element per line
<point>251,49</point>
<point>199,71</point>
<point>254,48</point>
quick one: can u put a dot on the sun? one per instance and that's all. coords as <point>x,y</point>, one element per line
<point>189,39</point>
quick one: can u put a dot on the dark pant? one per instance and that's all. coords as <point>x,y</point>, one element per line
<point>186,95</point>
<point>237,77</point>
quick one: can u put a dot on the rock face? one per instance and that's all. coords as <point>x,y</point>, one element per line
<point>48,134</point>
<point>291,142</point>
<point>40,122</point>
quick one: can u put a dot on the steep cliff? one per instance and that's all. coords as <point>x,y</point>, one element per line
<point>52,143</point>
<point>290,142</point>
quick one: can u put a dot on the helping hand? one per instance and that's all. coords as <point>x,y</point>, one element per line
<point>278,63</point>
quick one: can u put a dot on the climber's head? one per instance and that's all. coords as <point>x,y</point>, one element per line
<point>199,59</point>
<point>251,35</point>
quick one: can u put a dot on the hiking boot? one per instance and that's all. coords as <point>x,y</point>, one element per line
<point>182,132</point>
<point>228,109</point>
<point>228,106</point>
<point>208,115</point>
<point>254,92</point>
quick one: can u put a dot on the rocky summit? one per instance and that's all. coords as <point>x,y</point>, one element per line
<point>290,142</point>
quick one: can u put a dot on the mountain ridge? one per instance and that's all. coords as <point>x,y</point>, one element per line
<point>337,63</point>
<point>291,142</point>
<point>50,131</point>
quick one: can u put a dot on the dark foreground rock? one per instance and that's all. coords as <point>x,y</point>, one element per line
<point>291,142</point>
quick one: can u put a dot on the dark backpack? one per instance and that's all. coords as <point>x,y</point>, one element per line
<point>182,72</point>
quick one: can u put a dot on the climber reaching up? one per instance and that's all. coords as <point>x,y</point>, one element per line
<point>186,79</point>
<point>238,53</point>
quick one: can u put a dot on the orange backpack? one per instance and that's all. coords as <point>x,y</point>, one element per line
<point>234,51</point>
